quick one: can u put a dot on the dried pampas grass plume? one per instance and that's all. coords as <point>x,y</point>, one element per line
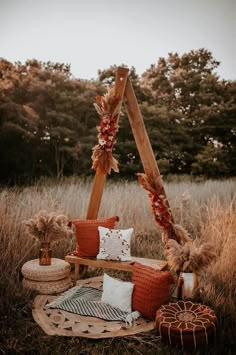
<point>181,233</point>
<point>189,257</point>
<point>48,227</point>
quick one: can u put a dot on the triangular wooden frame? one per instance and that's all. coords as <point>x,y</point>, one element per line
<point>124,89</point>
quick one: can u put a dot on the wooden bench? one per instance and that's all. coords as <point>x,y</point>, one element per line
<point>115,265</point>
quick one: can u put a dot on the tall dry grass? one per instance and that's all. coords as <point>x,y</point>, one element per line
<point>206,209</point>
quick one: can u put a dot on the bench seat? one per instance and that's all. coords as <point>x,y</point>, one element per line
<point>110,264</point>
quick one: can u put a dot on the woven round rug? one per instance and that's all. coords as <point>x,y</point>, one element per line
<point>59,269</point>
<point>59,322</point>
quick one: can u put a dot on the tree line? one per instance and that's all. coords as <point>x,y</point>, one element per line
<point>48,121</point>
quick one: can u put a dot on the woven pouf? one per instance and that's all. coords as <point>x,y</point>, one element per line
<point>59,269</point>
<point>48,287</point>
<point>190,325</point>
<point>47,279</point>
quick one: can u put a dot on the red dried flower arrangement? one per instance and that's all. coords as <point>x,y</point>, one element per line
<point>158,201</point>
<point>108,108</point>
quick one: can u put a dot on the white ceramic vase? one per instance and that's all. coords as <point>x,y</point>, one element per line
<point>189,288</point>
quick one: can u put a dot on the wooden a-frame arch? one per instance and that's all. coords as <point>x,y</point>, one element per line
<point>124,90</point>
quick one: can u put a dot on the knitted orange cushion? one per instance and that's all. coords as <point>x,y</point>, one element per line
<point>151,289</point>
<point>87,235</point>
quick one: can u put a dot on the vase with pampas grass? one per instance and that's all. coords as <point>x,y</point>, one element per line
<point>188,258</point>
<point>47,228</point>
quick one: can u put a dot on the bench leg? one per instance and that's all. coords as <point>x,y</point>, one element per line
<point>76,274</point>
<point>83,270</point>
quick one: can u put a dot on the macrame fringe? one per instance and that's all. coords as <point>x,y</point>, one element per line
<point>132,317</point>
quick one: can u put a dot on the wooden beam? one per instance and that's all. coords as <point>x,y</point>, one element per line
<point>115,265</point>
<point>142,141</point>
<point>96,194</point>
<point>100,176</point>
<point>140,135</point>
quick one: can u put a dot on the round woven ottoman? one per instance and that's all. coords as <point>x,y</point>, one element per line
<point>47,279</point>
<point>188,324</point>
<point>48,287</point>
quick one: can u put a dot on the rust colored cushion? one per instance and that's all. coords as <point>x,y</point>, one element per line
<point>190,325</point>
<point>87,235</point>
<point>151,289</point>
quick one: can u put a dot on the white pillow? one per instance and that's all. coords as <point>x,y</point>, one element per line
<point>117,293</point>
<point>115,244</point>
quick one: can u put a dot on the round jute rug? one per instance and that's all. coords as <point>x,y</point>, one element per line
<point>59,322</point>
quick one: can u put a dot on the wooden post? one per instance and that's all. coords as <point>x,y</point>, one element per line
<point>144,146</point>
<point>100,176</point>
<point>141,137</point>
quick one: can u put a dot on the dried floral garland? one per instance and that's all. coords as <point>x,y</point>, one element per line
<point>158,200</point>
<point>108,108</point>
<point>161,210</point>
<point>48,227</point>
<point>182,253</point>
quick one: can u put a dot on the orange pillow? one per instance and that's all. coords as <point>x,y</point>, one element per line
<point>87,235</point>
<point>151,289</point>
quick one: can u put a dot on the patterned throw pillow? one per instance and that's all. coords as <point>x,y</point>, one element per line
<point>87,236</point>
<point>117,293</point>
<point>151,289</point>
<point>115,244</point>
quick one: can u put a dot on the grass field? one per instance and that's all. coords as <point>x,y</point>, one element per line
<point>207,209</point>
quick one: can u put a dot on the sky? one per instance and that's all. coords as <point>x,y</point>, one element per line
<point>95,34</point>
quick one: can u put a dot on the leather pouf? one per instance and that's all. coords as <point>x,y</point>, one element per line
<point>190,325</point>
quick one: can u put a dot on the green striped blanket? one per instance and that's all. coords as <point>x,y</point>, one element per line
<point>86,301</point>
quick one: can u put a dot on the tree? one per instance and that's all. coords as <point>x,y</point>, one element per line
<point>181,82</point>
<point>210,161</point>
<point>189,86</point>
<point>48,121</point>
<point>45,112</point>
<point>18,125</point>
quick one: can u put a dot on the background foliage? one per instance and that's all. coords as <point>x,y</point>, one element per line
<point>48,122</point>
